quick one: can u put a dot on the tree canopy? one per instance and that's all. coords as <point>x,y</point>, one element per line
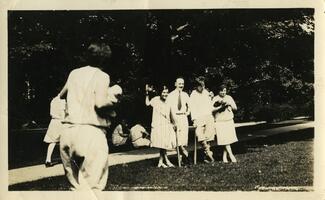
<point>265,56</point>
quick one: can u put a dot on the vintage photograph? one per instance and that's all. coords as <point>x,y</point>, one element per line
<point>161,100</point>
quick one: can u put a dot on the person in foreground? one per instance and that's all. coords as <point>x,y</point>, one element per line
<point>162,132</point>
<point>83,145</point>
<point>224,105</point>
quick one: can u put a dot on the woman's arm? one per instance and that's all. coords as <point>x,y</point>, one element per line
<point>218,107</point>
<point>214,109</point>
<point>232,103</point>
<point>147,101</point>
<point>64,91</point>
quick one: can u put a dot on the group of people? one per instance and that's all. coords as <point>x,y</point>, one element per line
<point>83,110</point>
<point>212,117</point>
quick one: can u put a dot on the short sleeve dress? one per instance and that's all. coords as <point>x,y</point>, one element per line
<point>58,112</point>
<point>162,132</point>
<point>224,123</point>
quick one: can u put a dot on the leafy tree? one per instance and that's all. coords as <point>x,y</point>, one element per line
<point>265,56</point>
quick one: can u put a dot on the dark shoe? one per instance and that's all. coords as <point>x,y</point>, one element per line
<point>49,164</point>
<point>208,157</point>
<point>187,160</point>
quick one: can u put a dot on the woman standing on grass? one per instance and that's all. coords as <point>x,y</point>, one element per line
<point>162,132</point>
<point>224,105</point>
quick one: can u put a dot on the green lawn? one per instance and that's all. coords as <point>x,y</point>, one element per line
<point>288,163</point>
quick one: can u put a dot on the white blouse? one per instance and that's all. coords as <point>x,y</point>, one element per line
<point>227,114</point>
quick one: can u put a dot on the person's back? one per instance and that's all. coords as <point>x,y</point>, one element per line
<point>81,96</point>
<point>85,139</point>
<point>137,132</point>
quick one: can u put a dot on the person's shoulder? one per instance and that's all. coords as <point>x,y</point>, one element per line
<point>101,75</point>
<point>155,99</point>
<point>206,92</point>
<point>136,127</point>
<point>172,93</point>
<point>74,71</point>
<point>81,69</point>
<point>185,93</point>
<point>229,97</point>
<point>193,93</point>
<point>215,98</point>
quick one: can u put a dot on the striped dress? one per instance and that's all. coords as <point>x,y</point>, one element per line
<point>162,132</point>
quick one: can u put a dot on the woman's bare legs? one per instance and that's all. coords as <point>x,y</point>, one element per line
<point>50,149</point>
<point>229,151</point>
<point>168,163</point>
<point>224,156</point>
<point>161,159</point>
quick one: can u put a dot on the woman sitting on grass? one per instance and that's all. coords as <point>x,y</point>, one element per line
<point>162,132</point>
<point>137,134</point>
<point>224,123</point>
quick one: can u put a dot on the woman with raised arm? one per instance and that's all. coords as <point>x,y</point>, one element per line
<point>162,132</point>
<point>224,105</point>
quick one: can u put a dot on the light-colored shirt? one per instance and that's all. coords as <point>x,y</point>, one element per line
<point>118,137</point>
<point>200,104</point>
<point>136,132</point>
<point>82,84</point>
<point>227,114</point>
<point>172,101</point>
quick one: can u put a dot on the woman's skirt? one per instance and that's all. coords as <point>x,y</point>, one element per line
<point>54,131</point>
<point>163,137</point>
<point>225,132</point>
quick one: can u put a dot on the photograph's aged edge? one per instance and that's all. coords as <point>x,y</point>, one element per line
<point>319,165</point>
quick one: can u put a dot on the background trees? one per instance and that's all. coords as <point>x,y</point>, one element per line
<point>265,56</point>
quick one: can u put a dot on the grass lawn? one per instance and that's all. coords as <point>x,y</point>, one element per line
<point>285,160</point>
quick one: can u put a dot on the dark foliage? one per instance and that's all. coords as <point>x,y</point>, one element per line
<point>265,57</point>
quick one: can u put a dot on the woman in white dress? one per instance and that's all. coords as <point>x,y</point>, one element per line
<point>58,112</point>
<point>224,105</point>
<point>162,132</point>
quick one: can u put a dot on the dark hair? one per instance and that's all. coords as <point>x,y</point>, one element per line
<point>221,87</point>
<point>162,88</point>
<point>199,81</point>
<point>97,53</point>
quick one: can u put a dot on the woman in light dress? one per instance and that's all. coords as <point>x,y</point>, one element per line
<point>58,113</point>
<point>224,105</point>
<point>162,132</point>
